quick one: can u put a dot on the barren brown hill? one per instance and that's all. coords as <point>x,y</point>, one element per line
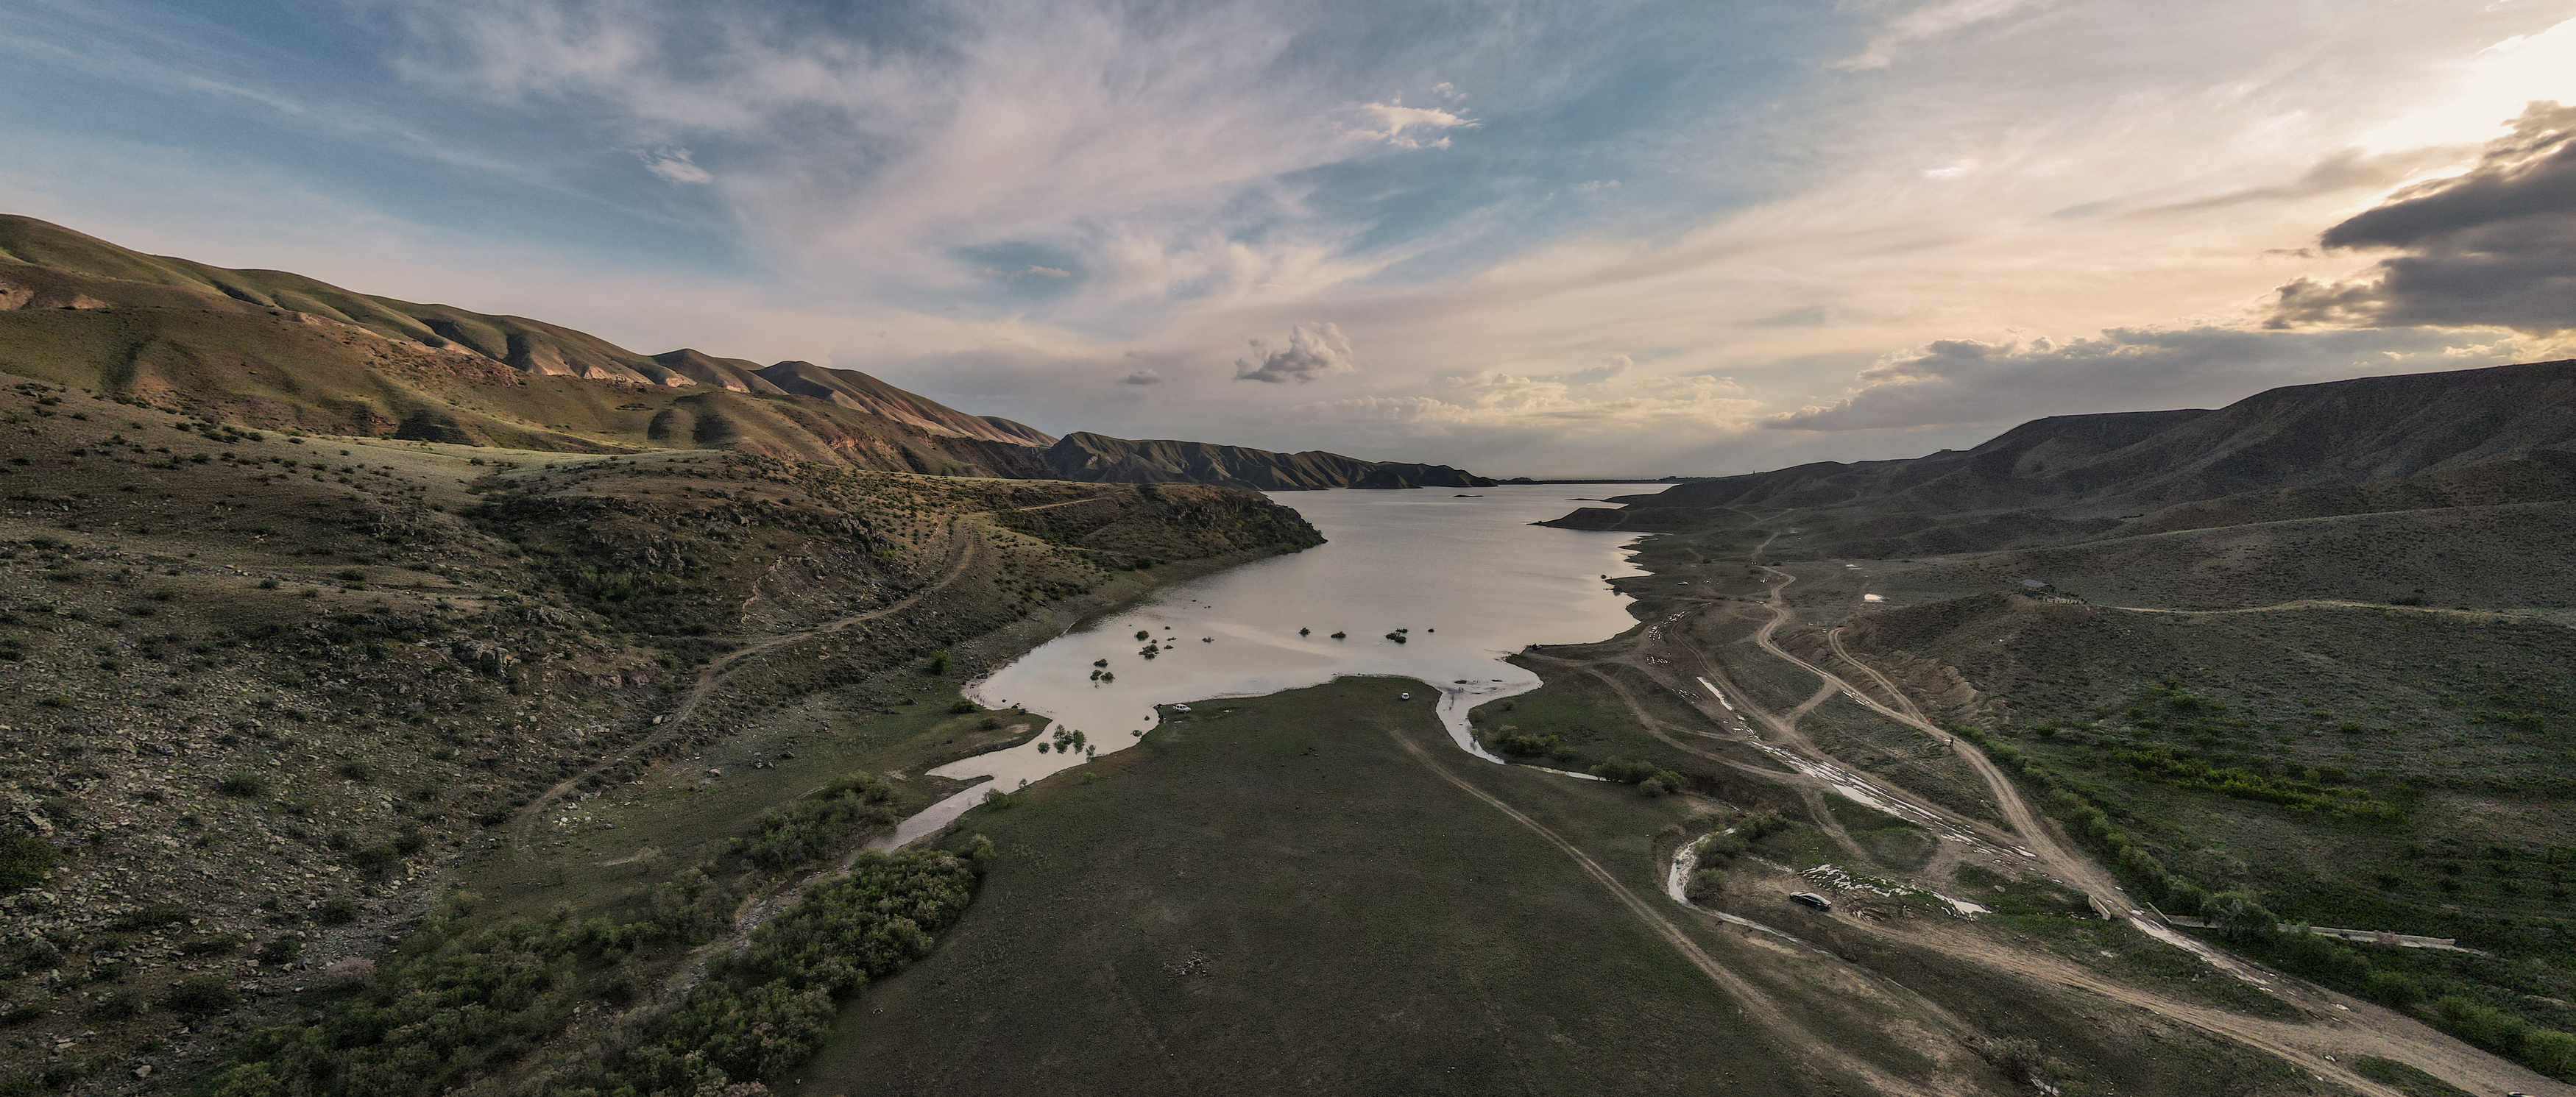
<point>274,349</point>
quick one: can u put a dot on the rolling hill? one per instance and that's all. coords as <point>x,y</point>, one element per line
<point>280,350</point>
<point>1100,459</point>
<point>2501,435</point>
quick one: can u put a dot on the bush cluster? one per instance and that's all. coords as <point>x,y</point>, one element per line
<point>456,1001</point>
<point>764,1011</point>
<point>808,828</point>
<point>24,861</point>
<point>2183,769</point>
<point>1648,778</point>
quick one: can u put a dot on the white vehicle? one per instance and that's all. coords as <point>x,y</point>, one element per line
<point>1404,697</point>
<point>1180,708</point>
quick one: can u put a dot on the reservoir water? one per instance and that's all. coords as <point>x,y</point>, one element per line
<point>1468,580</point>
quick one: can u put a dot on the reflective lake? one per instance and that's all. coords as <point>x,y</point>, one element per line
<point>1469,580</point>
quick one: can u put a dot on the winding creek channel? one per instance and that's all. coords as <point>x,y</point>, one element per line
<point>1460,571</point>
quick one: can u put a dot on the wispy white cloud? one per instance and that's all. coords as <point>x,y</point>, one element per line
<point>1926,22</point>
<point>1393,123</point>
<point>674,164</point>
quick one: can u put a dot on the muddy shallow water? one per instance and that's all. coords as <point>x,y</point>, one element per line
<point>1468,579</point>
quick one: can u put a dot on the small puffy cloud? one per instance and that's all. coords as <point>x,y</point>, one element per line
<point>1402,126</point>
<point>1961,381</point>
<point>1142,377</point>
<point>1447,90</point>
<point>1611,369</point>
<point>1026,272</point>
<point>1596,186</point>
<point>2495,246</point>
<point>1313,350</point>
<point>677,165</point>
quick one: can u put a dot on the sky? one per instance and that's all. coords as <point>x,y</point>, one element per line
<point>1610,238</point>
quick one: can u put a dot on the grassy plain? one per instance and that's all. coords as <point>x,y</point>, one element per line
<point>1272,896</point>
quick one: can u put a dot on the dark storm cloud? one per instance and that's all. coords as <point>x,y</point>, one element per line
<point>2495,246</point>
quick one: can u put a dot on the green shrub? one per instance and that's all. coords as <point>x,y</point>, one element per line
<point>1704,885</point>
<point>280,950</point>
<point>337,912</point>
<point>242,785</point>
<point>121,1005</point>
<point>2549,1051</point>
<point>939,662</point>
<point>24,861</point>
<point>2485,1026</point>
<point>200,994</point>
<point>962,706</point>
<point>765,1010</point>
<point>819,824</point>
<point>2236,914</point>
<point>152,916</point>
<point>1664,782</point>
<point>2394,989</point>
<point>1624,771</point>
<point>1522,744</point>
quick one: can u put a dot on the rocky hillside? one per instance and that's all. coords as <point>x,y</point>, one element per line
<point>277,350</point>
<point>268,694</point>
<point>1098,458</point>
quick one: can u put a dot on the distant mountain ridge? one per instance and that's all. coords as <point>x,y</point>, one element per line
<point>2503,432</point>
<point>1098,458</point>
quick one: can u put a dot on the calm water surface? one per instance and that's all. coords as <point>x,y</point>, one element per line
<point>1469,578</point>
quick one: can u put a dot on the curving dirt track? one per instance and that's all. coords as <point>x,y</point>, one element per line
<point>961,554</point>
<point>2339,1029</point>
<point>1751,999</point>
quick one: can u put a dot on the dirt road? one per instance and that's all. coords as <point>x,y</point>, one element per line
<point>2323,1047</point>
<point>962,555</point>
<point>1756,1004</point>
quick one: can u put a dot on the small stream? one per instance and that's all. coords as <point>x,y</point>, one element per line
<point>1432,584</point>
